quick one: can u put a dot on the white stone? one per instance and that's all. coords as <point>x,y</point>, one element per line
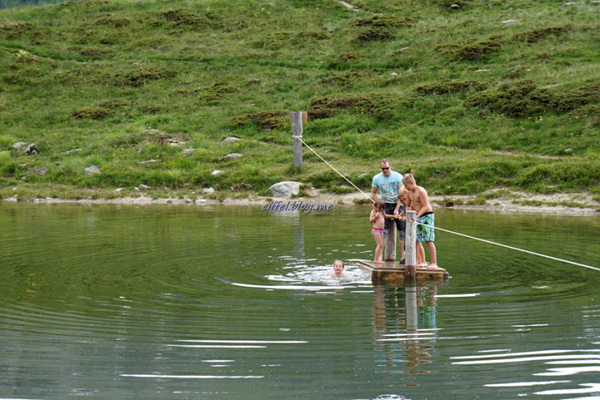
<point>231,156</point>
<point>285,189</point>
<point>93,169</point>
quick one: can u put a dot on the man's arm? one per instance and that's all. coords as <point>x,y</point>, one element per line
<point>374,193</point>
<point>400,185</point>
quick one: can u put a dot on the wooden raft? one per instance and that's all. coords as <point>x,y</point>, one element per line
<point>393,271</point>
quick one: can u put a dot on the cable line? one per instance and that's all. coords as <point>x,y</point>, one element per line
<point>333,168</point>
<point>512,248</point>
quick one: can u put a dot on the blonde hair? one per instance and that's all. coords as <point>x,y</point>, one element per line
<point>408,178</point>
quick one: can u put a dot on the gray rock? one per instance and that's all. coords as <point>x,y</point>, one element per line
<point>285,189</point>
<point>39,171</point>
<point>231,156</point>
<point>93,169</point>
<point>188,151</point>
<point>217,172</point>
<point>29,149</point>
<point>208,190</point>
<point>72,151</point>
<point>230,139</point>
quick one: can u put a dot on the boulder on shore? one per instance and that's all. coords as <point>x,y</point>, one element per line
<point>285,189</point>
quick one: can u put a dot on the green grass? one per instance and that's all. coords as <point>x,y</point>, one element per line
<point>461,99</point>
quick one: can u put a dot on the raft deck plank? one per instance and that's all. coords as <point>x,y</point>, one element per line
<point>393,271</point>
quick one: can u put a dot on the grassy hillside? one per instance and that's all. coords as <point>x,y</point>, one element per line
<point>494,94</point>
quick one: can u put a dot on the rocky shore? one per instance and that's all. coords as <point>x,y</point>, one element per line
<point>503,201</point>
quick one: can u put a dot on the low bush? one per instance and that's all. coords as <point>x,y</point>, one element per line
<point>91,112</point>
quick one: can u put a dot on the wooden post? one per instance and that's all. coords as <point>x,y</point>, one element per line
<point>390,242</point>
<point>297,119</point>
<point>410,243</point>
<point>410,239</point>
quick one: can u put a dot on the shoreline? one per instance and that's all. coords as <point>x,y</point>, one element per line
<point>509,202</point>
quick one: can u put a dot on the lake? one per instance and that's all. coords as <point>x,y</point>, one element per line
<point>232,302</point>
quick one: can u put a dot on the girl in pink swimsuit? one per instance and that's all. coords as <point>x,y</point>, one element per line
<point>378,220</point>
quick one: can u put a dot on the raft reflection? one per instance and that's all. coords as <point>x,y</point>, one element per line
<point>404,325</point>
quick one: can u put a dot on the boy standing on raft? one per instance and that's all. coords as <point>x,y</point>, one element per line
<point>418,200</point>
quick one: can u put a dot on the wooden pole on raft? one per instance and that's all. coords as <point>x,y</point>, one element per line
<point>298,118</point>
<point>410,243</point>
<point>390,242</point>
<point>408,273</point>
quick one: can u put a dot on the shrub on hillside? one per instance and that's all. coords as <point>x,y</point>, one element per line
<point>523,98</point>
<point>115,104</point>
<point>442,88</point>
<point>377,33</point>
<point>478,51</point>
<point>378,106</point>
<point>346,78</point>
<point>216,91</point>
<point>140,76</point>
<point>91,112</point>
<point>181,19</point>
<point>95,53</point>
<point>383,21</point>
<point>537,35</point>
<point>14,30</point>
<point>268,120</point>
<point>345,58</point>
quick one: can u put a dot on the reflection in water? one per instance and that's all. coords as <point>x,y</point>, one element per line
<point>404,319</point>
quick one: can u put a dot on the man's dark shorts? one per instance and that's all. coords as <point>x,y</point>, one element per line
<point>400,225</point>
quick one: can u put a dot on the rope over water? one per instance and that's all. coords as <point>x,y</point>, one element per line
<point>333,168</point>
<point>449,231</point>
<point>513,248</point>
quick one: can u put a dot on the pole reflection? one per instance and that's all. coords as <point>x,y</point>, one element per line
<point>404,326</point>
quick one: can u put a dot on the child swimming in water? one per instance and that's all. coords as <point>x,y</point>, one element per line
<point>378,220</point>
<point>338,270</point>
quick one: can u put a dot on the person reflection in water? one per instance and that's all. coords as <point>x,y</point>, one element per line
<point>338,270</point>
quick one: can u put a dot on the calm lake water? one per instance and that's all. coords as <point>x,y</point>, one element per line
<point>215,302</point>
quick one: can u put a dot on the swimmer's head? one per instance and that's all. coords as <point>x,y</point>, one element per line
<point>338,266</point>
